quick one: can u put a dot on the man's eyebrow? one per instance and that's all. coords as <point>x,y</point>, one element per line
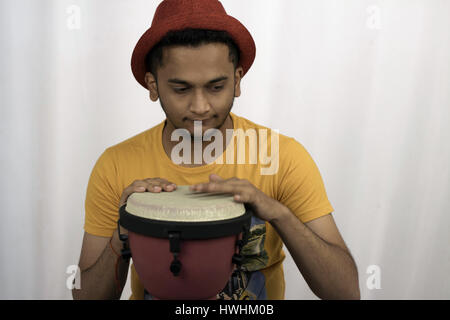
<point>179,81</point>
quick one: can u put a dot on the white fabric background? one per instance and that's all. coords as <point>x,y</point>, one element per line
<point>363,85</point>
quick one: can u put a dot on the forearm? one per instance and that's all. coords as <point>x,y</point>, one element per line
<point>99,281</point>
<point>328,269</point>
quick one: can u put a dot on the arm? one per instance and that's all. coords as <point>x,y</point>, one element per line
<point>98,268</point>
<point>324,261</point>
<point>317,248</point>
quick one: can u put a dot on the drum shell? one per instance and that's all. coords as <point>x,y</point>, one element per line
<point>206,253</point>
<point>206,266</point>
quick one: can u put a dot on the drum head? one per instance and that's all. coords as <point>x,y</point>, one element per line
<point>183,205</point>
<point>195,215</point>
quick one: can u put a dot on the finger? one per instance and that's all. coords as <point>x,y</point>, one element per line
<point>238,183</point>
<point>158,185</point>
<point>217,187</point>
<point>238,198</point>
<point>167,185</point>
<point>150,185</point>
<point>243,197</point>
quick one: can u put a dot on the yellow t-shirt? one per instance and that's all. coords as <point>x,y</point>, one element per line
<point>296,183</point>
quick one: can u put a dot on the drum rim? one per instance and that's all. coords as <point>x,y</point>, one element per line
<point>188,230</point>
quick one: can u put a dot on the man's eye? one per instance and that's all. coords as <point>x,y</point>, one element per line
<point>218,88</point>
<point>180,90</point>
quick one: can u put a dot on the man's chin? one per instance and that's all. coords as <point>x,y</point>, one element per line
<point>196,127</point>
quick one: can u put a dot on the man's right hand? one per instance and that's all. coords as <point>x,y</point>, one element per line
<point>149,184</point>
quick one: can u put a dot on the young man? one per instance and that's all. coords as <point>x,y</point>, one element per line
<point>192,60</point>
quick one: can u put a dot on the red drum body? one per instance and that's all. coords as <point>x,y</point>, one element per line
<point>185,245</point>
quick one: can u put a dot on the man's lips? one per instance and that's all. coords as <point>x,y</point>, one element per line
<point>199,119</point>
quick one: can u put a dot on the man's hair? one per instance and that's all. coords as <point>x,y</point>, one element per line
<point>193,38</point>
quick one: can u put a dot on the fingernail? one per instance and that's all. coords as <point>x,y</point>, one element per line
<point>140,188</point>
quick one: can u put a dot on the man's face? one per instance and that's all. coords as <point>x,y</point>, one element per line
<point>196,83</point>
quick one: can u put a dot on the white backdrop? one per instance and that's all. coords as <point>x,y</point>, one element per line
<point>363,85</point>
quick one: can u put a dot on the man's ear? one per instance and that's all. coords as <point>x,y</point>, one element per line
<point>151,86</point>
<point>238,74</point>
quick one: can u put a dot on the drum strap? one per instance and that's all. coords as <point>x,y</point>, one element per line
<point>125,251</point>
<point>174,240</point>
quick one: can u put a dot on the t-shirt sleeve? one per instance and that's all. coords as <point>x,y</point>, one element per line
<point>301,186</point>
<point>102,198</point>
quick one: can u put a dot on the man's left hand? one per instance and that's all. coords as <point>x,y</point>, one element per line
<point>264,207</point>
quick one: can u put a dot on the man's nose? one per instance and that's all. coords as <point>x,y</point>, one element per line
<point>199,103</point>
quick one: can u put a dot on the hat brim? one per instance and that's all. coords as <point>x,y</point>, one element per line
<point>154,34</point>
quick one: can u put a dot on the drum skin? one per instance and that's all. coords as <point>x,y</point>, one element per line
<point>206,266</point>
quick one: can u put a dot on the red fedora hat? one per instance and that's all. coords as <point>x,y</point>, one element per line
<point>199,14</point>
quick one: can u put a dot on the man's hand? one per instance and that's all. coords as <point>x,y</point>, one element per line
<point>155,185</point>
<point>264,207</point>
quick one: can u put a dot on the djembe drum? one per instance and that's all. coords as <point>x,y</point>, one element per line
<point>184,245</point>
